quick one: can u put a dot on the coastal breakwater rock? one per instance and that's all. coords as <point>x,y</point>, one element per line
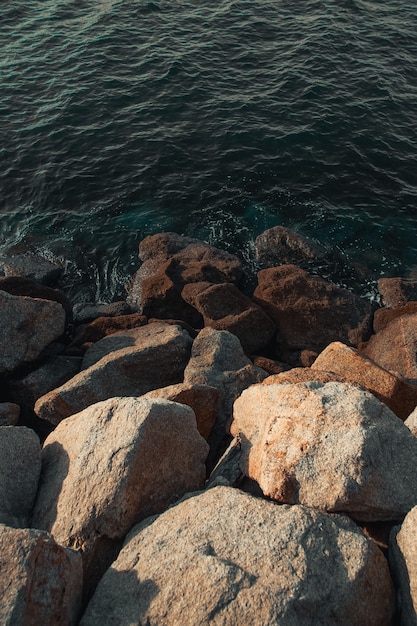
<point>403,560</point>
<point>225,557</point>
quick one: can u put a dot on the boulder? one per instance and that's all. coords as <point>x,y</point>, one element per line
<point>226,557</point>
<point>127,363</point>
<point>163,246</point>
<point>28,325</point>
<point>203,399</point>
<point>20,467</point>
<point>303,375</point>
<point>40,582</point>
<point>329,446</point>
<point>403,562</point>
<point>309,312</point>
<point>411,422</point>
<point>104,326</point>
<point>85,312</point>
<point>281,246</point>
<point>111,465</point>
<point>395,392</point>
<point>397,291</point>
<point>224,307</point>
<point>395,347</point>
<point>32,266</point>
<point>19,286</point>
<point>270,365</point>
<point>9,414</point>
<point>382,317</point>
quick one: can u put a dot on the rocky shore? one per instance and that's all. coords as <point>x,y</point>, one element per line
<point>201,454</point>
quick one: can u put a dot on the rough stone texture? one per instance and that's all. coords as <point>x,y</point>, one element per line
<point>127,363</point>
<point>225,557</point>
<point>225,307</point>
<point>163,246</point>
<point>27,326</point>
<point>397,291</point>
<point>329,446</point>
<point>303,375</point>
<point>411,422</point>
<point>40,582</point>
<point>20,466</point>
<point>204,401</point>
<point>309,312</point>
<point>395,347</point>
<point>9,414</point>
<point>403,561</point>
<point>34,267</point>
<point>279,245</point>
<point>19,286</point>
<point>112,465</point>
<point>398,395</point>
<point>269,365</point>
<point>227,471</point>
<point>85,312</point>
<point>382,317</point>
<point>104,326</point>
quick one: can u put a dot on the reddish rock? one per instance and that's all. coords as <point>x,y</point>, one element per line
<point>309,312</point>
<point>279,245</point>
<point>397,291</point>
<point>382,317</point>
<point>269,365</point>
<point>164,245</point>
<point>104,326</point>
<point>224,307</point>
<point>397,394</point>
<point>303,375</point>
<point>395,347</point>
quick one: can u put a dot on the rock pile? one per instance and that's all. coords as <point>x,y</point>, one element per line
<point>153,473</point>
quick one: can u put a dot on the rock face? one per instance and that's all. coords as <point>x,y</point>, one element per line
<point>398,395</point>
<point>395,347</point>
<point>28,326</point>
<point>329,446</point>
<point>127,363</point>
<point>292,566</point>
<point>397,291</point>
<point>40,582</point>
<point>20,466</point>
<point>309,312</point>
<point>225,307</point>
<point>111,465</point>
<point>403,561</point>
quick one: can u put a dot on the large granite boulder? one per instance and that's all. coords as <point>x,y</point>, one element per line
<point>41,582</point>
<point>104,326</point>
<point>32,266</point>
<point>225,307</point>
<point>310,312</point>
<point>225,557</point>
<point>395,392</point>
<point>126,363</point>
<point>19,286</point>
<point>329,446</point>
<point>20,467</point>
<point>28,326</point>
<point>397,291</point>
<point>403,561</point>
<point>85,312</point>
<point>382,317</point>
<point>111,465</point>
<point>395,347</point>
<point>281,246</point>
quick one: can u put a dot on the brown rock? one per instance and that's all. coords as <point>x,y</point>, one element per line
<point>395,347</point>
<point>224,307</point>
<point>329,446</point>
<point>309,312</point>
<point>40,582</point>
<point>9,414</point>
<point>225,557</point>
<point>279,246</point>
<point>269,365</point>
<point>204,401</point>
<point>398,395</point>
<point>19,286</point>
<point>112,465</point>
<point>397,291</point>
<point>304,375</point>
<point>382,317</point>
<point>104,326</point>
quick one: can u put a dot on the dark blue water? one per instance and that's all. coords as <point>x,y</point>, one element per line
<point>214,119</point>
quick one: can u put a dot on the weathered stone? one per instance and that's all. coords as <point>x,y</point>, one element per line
<point>309,312</point>
<point>225,557</point>
<point>19,286</point>
<point>382,317</point>
<point>279,246</point>
<point>163,246</point>
<point>395,347</point>
<point>303,375</point>
<point>9,414</point>
<point>329,446</point>
<point>397,291</point>
<point>411,422</point>
<point>40,582</point>
<point>20,466</point>
<point>127,363</point>
<point>204,401</point>
<point>403,561</point>
<point>397,394</point>
<point>104,326</point>
<point>270,365</point>
<point>34,267</point>
<point>224,307</point>
<point>27,325</point>
<point>227,471</point>
<point>112,465</point>
<point>85,312</point>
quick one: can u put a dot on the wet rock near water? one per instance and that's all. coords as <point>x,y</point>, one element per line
<point>34,267</point>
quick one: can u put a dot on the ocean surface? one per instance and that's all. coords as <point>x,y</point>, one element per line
<point>123,118</point>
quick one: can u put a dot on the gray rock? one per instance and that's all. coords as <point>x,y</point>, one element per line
<point>403,562</point>
<point>329,446</point>
<point>40,582</point>
<point>32,266</point>
<point>225,557</point>
<point>27,325</point>
<point>9,414</point>
<point>127,363</point>
<point>89,311</point>
<point>20,466</point>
